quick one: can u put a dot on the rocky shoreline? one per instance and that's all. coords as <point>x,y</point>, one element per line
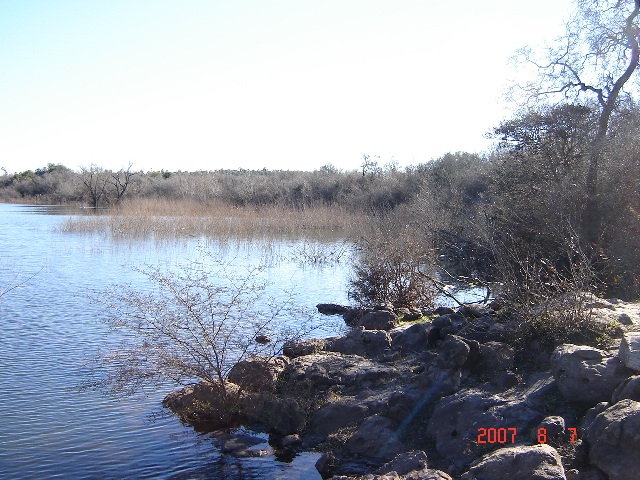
<point>439,398</point>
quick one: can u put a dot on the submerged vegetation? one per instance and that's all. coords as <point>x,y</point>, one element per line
<point>164,218</point>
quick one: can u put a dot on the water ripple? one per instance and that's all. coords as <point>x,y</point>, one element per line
<point>51,327</point>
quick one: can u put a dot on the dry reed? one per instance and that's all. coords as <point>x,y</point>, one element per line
<point>163,218</point>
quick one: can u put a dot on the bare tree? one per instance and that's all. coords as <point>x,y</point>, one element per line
<point>369,165</point>
<point>593,62</point>
<point>95,179</point>
<point>120,180</point>
<point>192,326</point>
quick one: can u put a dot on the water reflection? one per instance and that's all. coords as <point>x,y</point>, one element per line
<point>52,327</point>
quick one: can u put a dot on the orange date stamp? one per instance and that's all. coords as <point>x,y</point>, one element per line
<point>509,435</point>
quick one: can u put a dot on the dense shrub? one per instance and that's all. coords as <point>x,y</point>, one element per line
<point>393,265</point>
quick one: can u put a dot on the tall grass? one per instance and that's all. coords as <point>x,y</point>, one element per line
<point>163,218</point>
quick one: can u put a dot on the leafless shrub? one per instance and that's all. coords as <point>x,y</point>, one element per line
<point>549,299</point>
<point>316,253</point>
<point>192,325</point>
<point>390,267</point>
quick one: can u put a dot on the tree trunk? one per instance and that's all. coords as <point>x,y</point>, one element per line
<point>593,213</point>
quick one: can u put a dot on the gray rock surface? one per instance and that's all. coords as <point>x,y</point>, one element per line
<point>258,374</point>
<point>376,438</point>
<point>555,429</point>
<point>412,339</point>
<point>367,343</point>
<point>495,356</point>
<point>456,419</point>
<point>299,348</point>
<point>379,320</point>
<point>404,463</point>
<point>539,462</point>
<point>330,368</point>
<point>614,440</point>
<point>586,374</point>
<point>629,352</point>
<point>630,389</point>
<point>453,352</point>
<point>336,415</point>
<point>206,402</point>
<point>282,415</point>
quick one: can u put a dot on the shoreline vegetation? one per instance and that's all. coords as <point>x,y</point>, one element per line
<point>536,382</point>
<point>164,218</point>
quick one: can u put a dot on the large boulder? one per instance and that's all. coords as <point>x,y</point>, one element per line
<point>411,466</point>
<point>412,339</point>
<point>629,352</point>
<point>299,348</point>
<point>456,421</point>
<point>404,463</point>
<point>574,474</point>
<point>495,357</point>
<point>367,343</point>
<point>336,415</point>
<point>630,389</point>
<point>586,374</point>
<point>282,415</point>
<point>212,404</point>
<point>331,308</point>
<point>453,352</point>
<point>379,320</point>
<point>257,374</point>
<point>614,440</point>
<point>440,380</point>
<point>330,368</point>
<point>376,438</point>
<point>539,462</point>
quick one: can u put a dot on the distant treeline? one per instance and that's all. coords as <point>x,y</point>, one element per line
<point>372,189</point>
<point>539,193</point>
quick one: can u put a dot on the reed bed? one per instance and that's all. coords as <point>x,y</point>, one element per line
<point>163,218</point>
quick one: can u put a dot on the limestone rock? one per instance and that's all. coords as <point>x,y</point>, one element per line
<point>453,352</point>
<point>495,356</point>
<point>331,309</point>
<point>206,403</point>
<point>329,368</point>
<point>336,415</point>
<point>257,374</point>
<point>299,348</point>
<point>376,438</point>
<point>629,352</point>
<point>282,415</point>
<point>539,462</point>
<point>586,374</point>
<point>379,320</point>
<point>456,419</point>
<point>367,343</point>
<point>630,389</point>
<point>412,339</point>
<point>614,440</point>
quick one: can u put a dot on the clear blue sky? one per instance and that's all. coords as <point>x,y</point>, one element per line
<point>289,84</point>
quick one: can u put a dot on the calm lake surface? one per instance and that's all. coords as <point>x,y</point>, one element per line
<point>50,327</point>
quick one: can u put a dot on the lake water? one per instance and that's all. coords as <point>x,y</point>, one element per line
<point>50,327</point>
